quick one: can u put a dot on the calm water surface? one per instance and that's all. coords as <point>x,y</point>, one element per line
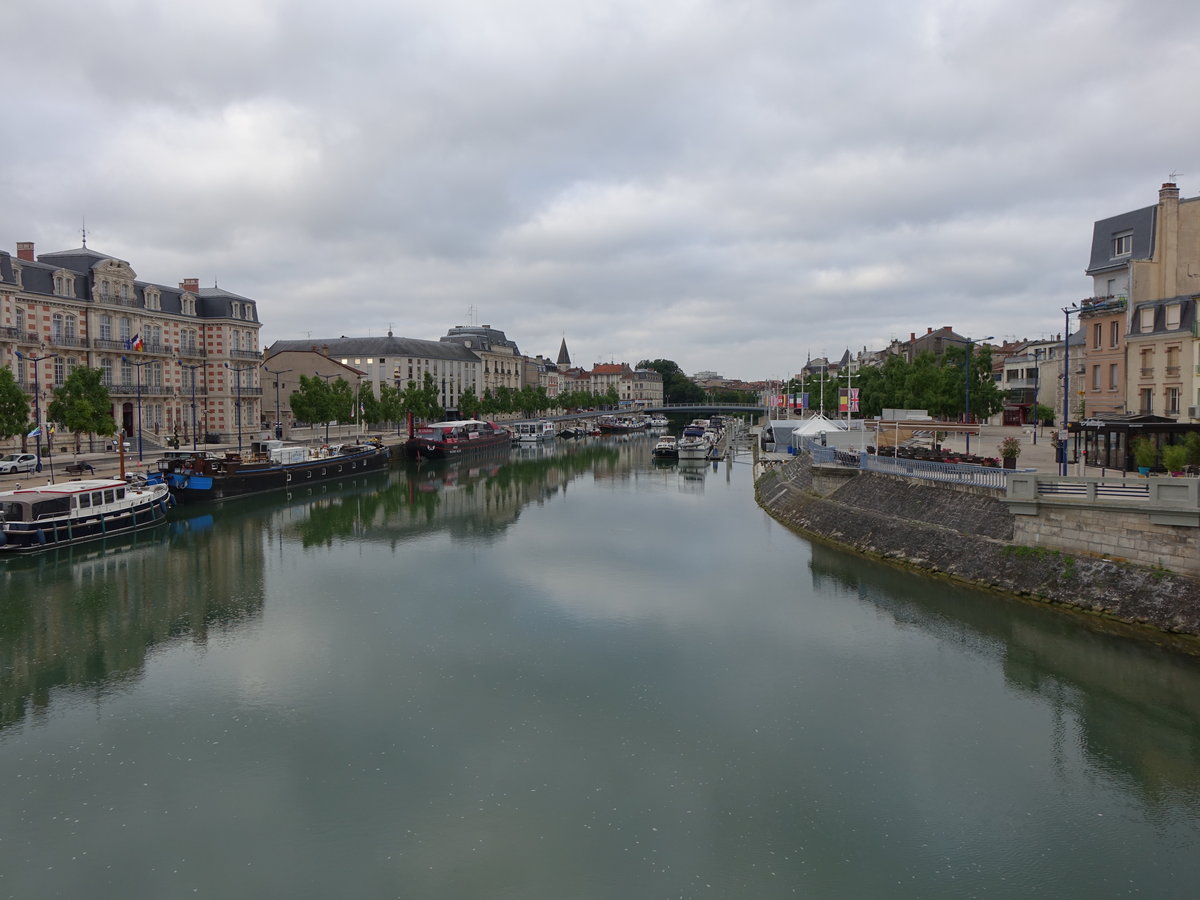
<point>575,675</point>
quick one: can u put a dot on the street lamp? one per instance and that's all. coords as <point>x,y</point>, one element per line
<point>1037,375</point>
<point>277,373</point>
<point>238,405</point>
<point>37,405</point>
<point>967,385</point>
<point>1066,379</point>
<point>192,367</point>
<point>145,362</point>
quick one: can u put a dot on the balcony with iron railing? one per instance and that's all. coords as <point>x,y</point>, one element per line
<point>1172,371</point>
<point>1147,371</point>
<point>120,301</point>
<point>9,334</point>
<point>66,340</point>
<point>245,354</point>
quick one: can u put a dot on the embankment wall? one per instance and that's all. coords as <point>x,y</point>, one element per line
<point>969,535</point>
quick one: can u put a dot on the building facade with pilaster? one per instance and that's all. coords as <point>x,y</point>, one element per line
<point>157,346</point>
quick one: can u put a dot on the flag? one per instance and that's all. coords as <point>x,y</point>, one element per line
<point>137,343</point>
<point>804,400</point>
<point>37,429</point>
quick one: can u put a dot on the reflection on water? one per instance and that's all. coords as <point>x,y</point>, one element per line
<point>89,616</point>
<point>1136,706</point>
<point>567,671</point>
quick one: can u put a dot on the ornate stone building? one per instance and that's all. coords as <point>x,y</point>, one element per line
<point>158,347</point>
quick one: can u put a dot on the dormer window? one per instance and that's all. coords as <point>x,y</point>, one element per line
<point>153,298</point>
<point>235,309</point>
<point>1122,244</point>
<point>188,304</point>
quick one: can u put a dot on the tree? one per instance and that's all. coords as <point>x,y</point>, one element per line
<point>82,404</point>
<point>391,408</point>
<point>370,409</point>
<point>677,387</point>
<point>14,407</point>
<point>469,404</point>
<point>314,402</point>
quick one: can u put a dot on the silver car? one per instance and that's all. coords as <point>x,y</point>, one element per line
<point>17,462</point>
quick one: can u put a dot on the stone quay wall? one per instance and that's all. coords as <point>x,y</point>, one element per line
<point>970,535</point>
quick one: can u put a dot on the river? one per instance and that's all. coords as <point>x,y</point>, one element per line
<point>569,674</point>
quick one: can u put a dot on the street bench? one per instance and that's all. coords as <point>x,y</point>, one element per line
<point>78,468</point>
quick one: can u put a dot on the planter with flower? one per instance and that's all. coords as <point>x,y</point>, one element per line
<point>1010,449</point>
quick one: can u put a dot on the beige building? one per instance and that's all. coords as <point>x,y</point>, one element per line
<point>1149,258</point>
<point>502,363</point>
<point>386,360</point>
<point>176,360</point>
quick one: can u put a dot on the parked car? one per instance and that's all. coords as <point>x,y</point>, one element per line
<point>17,462</point>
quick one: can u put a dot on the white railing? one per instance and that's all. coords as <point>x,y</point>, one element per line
<point>926,470</point>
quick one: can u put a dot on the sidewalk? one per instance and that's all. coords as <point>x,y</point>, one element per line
<point>1039,456</point>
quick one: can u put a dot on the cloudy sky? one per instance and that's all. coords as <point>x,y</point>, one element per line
<point>733,185</point>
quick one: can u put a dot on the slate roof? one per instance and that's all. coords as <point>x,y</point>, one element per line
<point>1139,221</point>
<point>387,347</point>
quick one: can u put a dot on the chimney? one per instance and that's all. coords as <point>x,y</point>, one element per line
<point>190,284</point>
<point>912,336</point>
<point>928,329</point>
<point>1169,191</point>
<point>25,250</point>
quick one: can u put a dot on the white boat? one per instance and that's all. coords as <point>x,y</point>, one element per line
<point>71,512</point>
<point>659,421</point>
<point>693,447</point>
<point>531,432</point>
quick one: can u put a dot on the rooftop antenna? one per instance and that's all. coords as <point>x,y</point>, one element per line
<point>83,229</point>
<point>473,314</point>
<point>1175,175</point>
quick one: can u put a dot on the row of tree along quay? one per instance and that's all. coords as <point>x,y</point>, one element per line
<point>943,385</point>
<point>81,405</point>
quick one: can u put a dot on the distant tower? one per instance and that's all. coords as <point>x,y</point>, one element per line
<point>564,358</point>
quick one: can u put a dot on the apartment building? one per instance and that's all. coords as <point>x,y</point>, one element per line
<point>1145,270</point>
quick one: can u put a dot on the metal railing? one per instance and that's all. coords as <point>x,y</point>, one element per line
<point>923,469</point>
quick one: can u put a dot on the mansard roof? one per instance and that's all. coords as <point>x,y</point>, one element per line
<point>387,347</point>
<point>1140,222</point>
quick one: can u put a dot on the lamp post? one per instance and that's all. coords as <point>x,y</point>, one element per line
<point>145,362</point>
<point>192,367</point>
<point>238,404</point>
<point>278,421</point>
<point>1037,378</point>
<point>37,403</point>
<point>967,382</point>
<point>1066,380</point>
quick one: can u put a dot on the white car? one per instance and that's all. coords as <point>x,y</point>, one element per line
<point>17,462</point>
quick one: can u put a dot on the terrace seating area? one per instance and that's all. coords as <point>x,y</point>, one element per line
<point>927,454</point>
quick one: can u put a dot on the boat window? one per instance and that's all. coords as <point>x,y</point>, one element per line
<point>56,506</point>
<point>84,501</point>
<point>97,498</point>
<point>108,496</point>
<point>13,512</point>
<point>120,493</point>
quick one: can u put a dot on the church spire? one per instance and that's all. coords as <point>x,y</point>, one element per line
<point>564,358</point>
